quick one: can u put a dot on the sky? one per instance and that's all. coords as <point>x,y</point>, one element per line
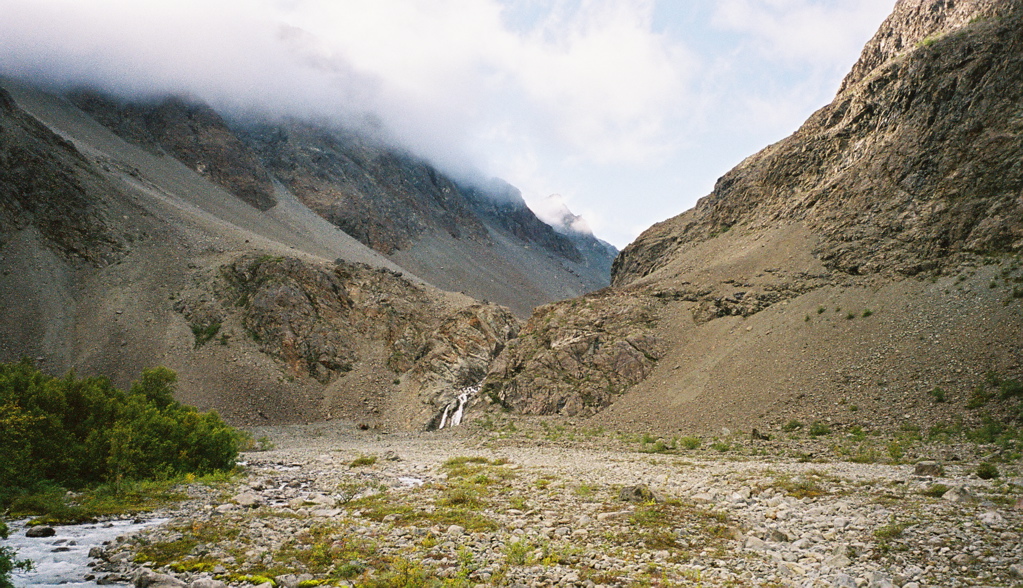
<point>627,109</point>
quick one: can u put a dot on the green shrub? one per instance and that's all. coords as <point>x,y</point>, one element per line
<point>819,429</point>
<point>791,426</point>
<point>935,491</point>
<point>937,394</point>
<point>363,460</point>
<point>1010,389</point>
<point>987,471</point>
<point>76,433</point>
<point>205,333</point>
<point>690,442</point>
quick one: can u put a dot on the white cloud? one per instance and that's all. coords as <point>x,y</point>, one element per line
<point>628,118</point>
<point>819,32</point>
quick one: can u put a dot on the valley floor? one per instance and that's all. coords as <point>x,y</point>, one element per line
<point>536,505</point>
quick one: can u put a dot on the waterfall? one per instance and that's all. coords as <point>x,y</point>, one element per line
<point>456,408</point>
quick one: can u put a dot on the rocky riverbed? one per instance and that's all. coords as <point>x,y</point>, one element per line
<point>335,505</point>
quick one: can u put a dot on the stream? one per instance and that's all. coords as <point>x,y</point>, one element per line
<point>62,560</point>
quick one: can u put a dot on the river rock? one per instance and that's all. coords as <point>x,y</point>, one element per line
<point>211,583</point>
<point>150,579</point>
<point>638,493</point>
<point>959,494</point>
<point>41,532</point>
<point>930,469</point>
<point>248,500</point>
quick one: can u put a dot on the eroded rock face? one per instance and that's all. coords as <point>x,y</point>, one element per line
<point>913,168</point>
<point>458,354</point>
<point>323,321</point>
<point>575,357</point>
<point>193,133</point>
<point>47,184</point>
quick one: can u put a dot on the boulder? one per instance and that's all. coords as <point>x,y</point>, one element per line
<point>638,493</point>
<point>930,469</point>
<point>249,500</point>
<point>41,532</point>
<point>147,578</point>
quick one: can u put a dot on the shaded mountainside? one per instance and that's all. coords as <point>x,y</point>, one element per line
<point>391,201</point>
<point>867,259</point>
<point>191,132</point>
<point>115,258</point>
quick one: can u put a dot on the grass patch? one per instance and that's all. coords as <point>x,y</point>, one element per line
<point>363,461</point>
<point>204,333</point>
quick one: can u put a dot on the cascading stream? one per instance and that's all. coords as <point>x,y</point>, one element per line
<point>455,410</point>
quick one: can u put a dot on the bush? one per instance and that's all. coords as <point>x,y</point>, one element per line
<point>938,394</point>
<point>8,563</point>
<point>75,433</point>
<point>792,426</point>
<point>819,429</point>
<point>690,442</point>
<point>987,471</point>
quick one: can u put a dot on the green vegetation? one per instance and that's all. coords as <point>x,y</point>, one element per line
<point>935,490</point>
<point>937,394</point>
<point>819,429</point>
<point>987,471</point>
<point>205,333</point>
<point>791,426</point>
<point>8,561</point>
<point>689,442</point>
<point>363,461</point>
<point>86,434</point>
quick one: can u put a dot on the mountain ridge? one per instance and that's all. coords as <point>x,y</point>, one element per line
<point>903,198</point>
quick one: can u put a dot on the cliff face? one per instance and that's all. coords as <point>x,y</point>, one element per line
<point>903,194</point>
<point>483,241</point>
<point>191,132</point>
<point>914,167</point>
<point>48,185</point>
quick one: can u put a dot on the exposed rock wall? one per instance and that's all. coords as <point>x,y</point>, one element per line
<point>919,21</point>
<point>47,184</point>
<point>193,133</point>
<point>913,168</point>
<point>576,357</point>
<point>323,321</point>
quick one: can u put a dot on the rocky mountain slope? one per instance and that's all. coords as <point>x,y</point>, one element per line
<point>116,257</point>
<point>844,273</point>
<point>397,204</point>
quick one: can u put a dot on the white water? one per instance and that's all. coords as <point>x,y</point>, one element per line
<point>66,569</point>
<point>458,407</point>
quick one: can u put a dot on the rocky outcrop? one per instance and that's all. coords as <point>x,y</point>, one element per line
<point>48,185</point>
<point>576,357</point>
<point>913,168</point>
<point>381,197</point>
<point>190,131</point>
<point>458,354</point>
<point>316,320</point>
<point>323,321</point>
<point>915,22</point>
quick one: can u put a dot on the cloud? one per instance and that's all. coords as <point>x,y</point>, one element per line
<point>628,117</point>
<point>440,75</point>
<point>819,32</point>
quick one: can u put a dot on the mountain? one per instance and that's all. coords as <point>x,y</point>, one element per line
<point>844,273</point>
<point>145,233</point>
<point>479,239</point>
<point>596,252</point>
